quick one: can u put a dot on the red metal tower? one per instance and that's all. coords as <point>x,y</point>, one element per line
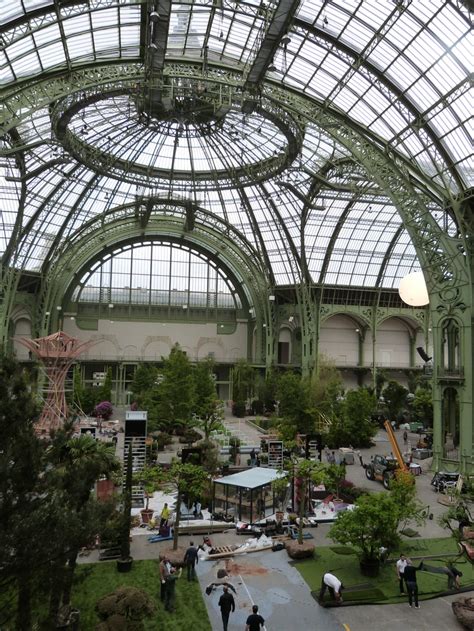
<point>56,352</point>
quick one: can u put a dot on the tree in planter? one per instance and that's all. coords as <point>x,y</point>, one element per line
<point>334,475</point>
<point>188,480</point>
<point>103,411</point>
<point>369,527</point>
<point>234,448</point>
<point>106,387</point>
<point>357,427</point>
<point>149,478</point>
<point>77,389</point>
<point>423,406</point>
<point>176,390</point>
<point>242,386</point>
<point>266,391</point>
<point>395,396</point>
<point>209,457</point>
<point>325,388</point>
<point>280,489</point>
<point>146,393</point>
<point>307,472</point>
<point>403,492</point>
<point>206,406</point>
<point>162,439</point>
<point>293,402</point>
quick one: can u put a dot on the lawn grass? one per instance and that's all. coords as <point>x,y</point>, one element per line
<point>384,588</point>
<point>97,579</point>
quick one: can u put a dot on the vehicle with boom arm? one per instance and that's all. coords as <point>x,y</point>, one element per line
<point>384,468</point>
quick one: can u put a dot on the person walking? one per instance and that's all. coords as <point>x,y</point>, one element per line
<point>165,515</point>
<point>255,622</point>
<point>170,591</point>
<point>190,560</point>
<point>165,567</point>
<point>359,455</point>
<point>405,438</point>
<point>334,585</point>
<point>410,579</point>
<point>227,604</point>
<point>252,457</point>
<point>400,569</point>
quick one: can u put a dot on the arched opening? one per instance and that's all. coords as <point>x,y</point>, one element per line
<point>22,329</point>
<point>450,350</point>
<point>284,346</point>
<point>450,424</point>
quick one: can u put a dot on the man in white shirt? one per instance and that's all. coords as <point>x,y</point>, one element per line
<point>334,585</point>
<point>400,569</point>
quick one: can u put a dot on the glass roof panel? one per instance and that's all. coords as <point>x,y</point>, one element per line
<point>419,53</point>
<point>10,9</point>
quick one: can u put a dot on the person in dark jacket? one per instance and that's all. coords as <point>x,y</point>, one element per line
<point>170,592</point>
<point>255,621</point>
<point>190,560</point>
<point>165,568</point>
<point>409,574</point>
<point>227,604</point>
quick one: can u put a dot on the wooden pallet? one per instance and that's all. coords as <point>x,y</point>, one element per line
<point>226,551</point>
<point>223,549</point>
<point>204,529</point>
<point>281,537</point>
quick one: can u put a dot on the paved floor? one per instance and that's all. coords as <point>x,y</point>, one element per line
<point>266,579</point>
<point>269,580</point>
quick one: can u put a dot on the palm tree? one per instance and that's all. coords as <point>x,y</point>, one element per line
<point>77,463</point>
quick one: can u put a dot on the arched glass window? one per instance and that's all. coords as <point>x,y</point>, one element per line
<point>157,274</point>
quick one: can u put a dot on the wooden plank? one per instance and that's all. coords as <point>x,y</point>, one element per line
<point>221,555</point>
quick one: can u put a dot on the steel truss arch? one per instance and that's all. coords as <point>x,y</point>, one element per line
<point>111,165</point>
<point>218,244</point>
<point>442,257</point>
<point>359,63</point>
<point>19,102</point>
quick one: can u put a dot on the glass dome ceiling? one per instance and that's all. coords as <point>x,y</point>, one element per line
<point>398,71</point>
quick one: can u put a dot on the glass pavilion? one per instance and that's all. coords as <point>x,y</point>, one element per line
<point>243,160</point>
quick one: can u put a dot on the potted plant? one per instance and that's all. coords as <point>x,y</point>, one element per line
<point>148,478</point>
<point>279,488</point>
<point>234,449</point>
<point>306,473</point>
<point>335,474</point>
<point>124,563</point>
<point>372,525</point>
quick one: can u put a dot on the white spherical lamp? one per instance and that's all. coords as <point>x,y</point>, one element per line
<point>413,290</point>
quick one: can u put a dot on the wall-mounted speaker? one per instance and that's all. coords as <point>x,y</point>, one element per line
<point>422,353</point>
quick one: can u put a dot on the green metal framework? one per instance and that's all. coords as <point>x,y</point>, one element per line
<point>373,178</point>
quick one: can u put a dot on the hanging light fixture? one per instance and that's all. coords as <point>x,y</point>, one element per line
<point>413,291</point>
<point>272,67</point>
<point>154,16</point>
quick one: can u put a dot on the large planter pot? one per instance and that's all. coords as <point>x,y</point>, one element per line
<point>370,567</point>
<point>147,514</point>
<point>297,550</point>
<point>124,565</point>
